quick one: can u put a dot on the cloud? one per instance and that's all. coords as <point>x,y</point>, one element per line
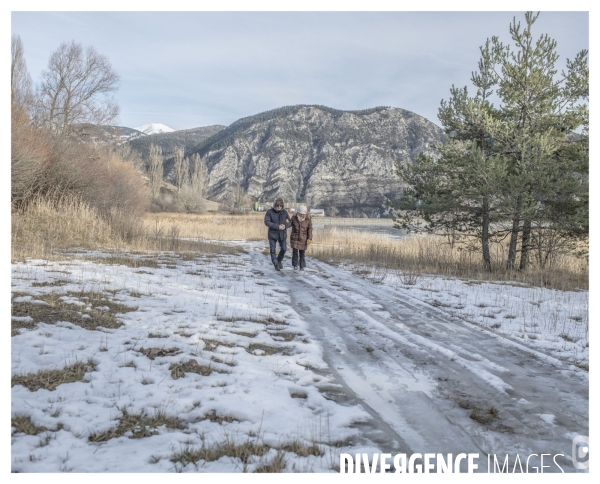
<point>200,68</point>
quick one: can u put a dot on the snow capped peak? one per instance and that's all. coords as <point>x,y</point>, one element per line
<point>154,128</point>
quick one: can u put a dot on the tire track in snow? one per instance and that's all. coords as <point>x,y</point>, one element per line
<point>412,367</point>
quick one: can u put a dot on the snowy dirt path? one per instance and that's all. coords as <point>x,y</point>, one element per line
<point>218,363</point>
<point>421,375</point>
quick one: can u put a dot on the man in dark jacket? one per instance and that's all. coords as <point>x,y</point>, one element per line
<point>278,221</point>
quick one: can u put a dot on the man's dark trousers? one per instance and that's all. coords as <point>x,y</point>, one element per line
<point>282,247</point>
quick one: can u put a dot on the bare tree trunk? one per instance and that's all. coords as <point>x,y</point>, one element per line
<point>485,238</point>
<point>525,245</point>
<point>155,170</point>
<point>186,171</point>
<point>512,246</point>
<point>179,173</point>
<point>537,242</point>
<point>514,238</point>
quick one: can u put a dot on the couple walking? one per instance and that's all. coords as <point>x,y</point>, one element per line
<point>278,220</point>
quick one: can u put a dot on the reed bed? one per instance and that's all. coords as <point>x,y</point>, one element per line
<point>433,255</point>
<point>46,227</point>
<point>208,226</point>
<point>334,243</point>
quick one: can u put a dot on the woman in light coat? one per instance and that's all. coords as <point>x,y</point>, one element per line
<point>301,236</point>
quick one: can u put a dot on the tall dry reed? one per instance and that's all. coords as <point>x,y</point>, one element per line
<point>422,254</point>
<point>433,255</point>
<point>208,226</point>
<point>46,225</point>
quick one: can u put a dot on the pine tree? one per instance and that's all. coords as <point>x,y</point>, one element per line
<point>458,192</point>
<point>522,162</point>
<point>540,111</point>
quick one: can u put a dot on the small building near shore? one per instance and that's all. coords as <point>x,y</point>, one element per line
<point>316,212</point>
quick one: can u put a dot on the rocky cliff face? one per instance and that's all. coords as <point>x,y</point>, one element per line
<point>342,161</point>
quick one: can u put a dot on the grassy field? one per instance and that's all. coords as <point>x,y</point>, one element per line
<point>334,243</point>
<point>46,229</point>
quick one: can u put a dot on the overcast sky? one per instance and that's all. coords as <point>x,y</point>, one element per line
<point>190,69</point>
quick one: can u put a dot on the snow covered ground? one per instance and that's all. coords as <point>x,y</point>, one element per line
<point>220,364</point>
<point>555,322</point>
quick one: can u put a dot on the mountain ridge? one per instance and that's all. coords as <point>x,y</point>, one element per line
<point>169,142</point>
<point>342,161</point>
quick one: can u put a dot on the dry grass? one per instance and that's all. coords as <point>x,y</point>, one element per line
<point>157,335</point>
<point>245,451</point>
<point>138,426</point>
<point>48,229</point>
<point>178,370</point>
<point>50,379</point>
<point>209,226</point>
<point>101,311</point>
<point>302,449</point>
<point>226,448</point>
<point>483,419</point>
<point>153,353</point>
<point>283,336</point>
<point>267,321</point>
<point>45,228</point>
<point>16,326</point>
<point>264,350</point>
<point>214,417</point>
<point>417,255</point>
<point>277,464</point>
<point>411,256</point>
<point>211,344</point>
<point>23,424</point>
<point>56,283</point>
<point>124,259</point>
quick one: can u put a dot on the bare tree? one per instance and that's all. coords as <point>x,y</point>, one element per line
<point>239,196</point>
<point>127,153</point>
<point>193,190</point>
<point>179,169</point>
<point>199,175</point>
<point>155,170</point>
<point>21,92</point>
<point>76,89</point>
<point>28,155</point>
<point>186,171</point>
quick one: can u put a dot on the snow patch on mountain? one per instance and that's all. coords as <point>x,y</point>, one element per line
<point>154,128</point>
